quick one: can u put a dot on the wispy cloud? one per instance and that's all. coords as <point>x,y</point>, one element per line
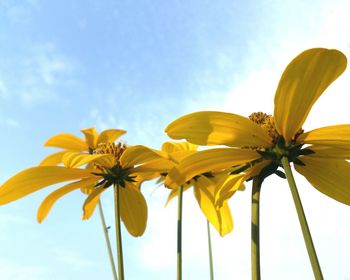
<point>71,258</point>
<point>19,11</point>
<point>20,271</point>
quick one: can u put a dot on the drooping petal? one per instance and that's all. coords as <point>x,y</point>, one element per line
<point>138,154</point>
<point>51,199</point>
<point>67,141</point>
<point>218,128</point>
<point>330,176</point>
<point>227,187</point>
<point>336,136</point>
<point>76,159</point>
<point>91,201</point>
<point>301,84</point>
<point>204,193</point>
<point>36,178</point>
<point>91,136</point>
<point>206,161</point>
<point>53,159</point>
<point>133,209</point>
<point>110,135</point>
<point>159,165</point>
<point>175,192</point>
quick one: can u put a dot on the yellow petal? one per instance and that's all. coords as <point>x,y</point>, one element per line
<point>110,135</point>
<point>171,147</point>
<point>133,209</point>
<point>36,178</point>
<point>206,161</point>
<point>76,159</point>
<point>329,152</point>
<point>218,128</point>
<point>337,136</point>
<point>228,186</point>
<point>51,199</point>
<point>138,154</point>
<point>301,84</point>
<point>53,159</point>
<point>330,176</point>
<point>91,136</point>
<point>204,193</point>
<point>175,192</point>
<point>159,165</point>
<point>91,201</point>
<point>68,142</point>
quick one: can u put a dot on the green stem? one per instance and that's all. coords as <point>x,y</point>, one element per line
<point>118,232</point>
<point>302,220</point>
<point>108,243</point>
<point>179,233</point>
<point>210,253</point>
<point>255,231</point>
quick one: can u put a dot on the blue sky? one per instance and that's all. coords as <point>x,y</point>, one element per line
<point>66,65</point>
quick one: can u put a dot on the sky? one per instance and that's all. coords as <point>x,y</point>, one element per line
<point>138,65</point>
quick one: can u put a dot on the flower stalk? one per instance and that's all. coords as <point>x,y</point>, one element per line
<point>255,229</point>
<point>108,243</point>
<point>302,220</point>
<point>118,232</point>
<point>179,234</point>
<point>211,267</point>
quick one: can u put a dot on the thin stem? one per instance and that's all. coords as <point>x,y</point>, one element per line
<point>255,231</point>
<point>302,220</point>
<point>108,243</point>
<point>118,232</point>
<point>179,234</point>
<point>210,253</point>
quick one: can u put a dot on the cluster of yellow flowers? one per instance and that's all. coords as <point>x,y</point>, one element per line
<point>256,148</point>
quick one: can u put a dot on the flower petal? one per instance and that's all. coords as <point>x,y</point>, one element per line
<point>36,178</point>
<point>329,152</point>
<point>218,128</point>
<point>204,193</point>
<point>53,159</point>
<point>110,135</point>
<point>301,84</point>
<point>206,161</point>
<point>337,136</point>
<point>76,159</point>
<point>91,201</point>
<point>175,192</point>
<point>133,209</point>
<point>91,136</point>
<point>171,147</point>
<point>138,154</point>
<point>330,176</point>
<point>51,199</point>
<point>67,141</point>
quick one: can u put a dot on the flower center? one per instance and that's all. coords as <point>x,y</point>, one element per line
<point>267,122</point>
<point>117,175</point>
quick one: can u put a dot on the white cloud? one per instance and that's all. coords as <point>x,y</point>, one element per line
<point>71,258</point>
<point>19,271</point>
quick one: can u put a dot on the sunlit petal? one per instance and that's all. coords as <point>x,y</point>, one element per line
<point>133,209</point>
<point>110,135</point>
<point>337,136</point>
<point>329,152</point>
<point>51,199</point>
<point>138,154</point>
<point>171,147</point>
<point>68,142</point>
<point>36,178</point>
<point>329,176</point>
<point>75,159</point>
<point>90,137</point>
<point>218,128</point>
<point>301,84</point>
<point>53,159</point>
<point>91,201</point>
<point>208,160</point>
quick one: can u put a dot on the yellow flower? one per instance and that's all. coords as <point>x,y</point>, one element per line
<point>258,143</point>
<point>125,167</point>
<point>203,187</point>
<point>70,142</point>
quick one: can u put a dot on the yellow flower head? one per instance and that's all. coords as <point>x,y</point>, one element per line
<point>257,144</point>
